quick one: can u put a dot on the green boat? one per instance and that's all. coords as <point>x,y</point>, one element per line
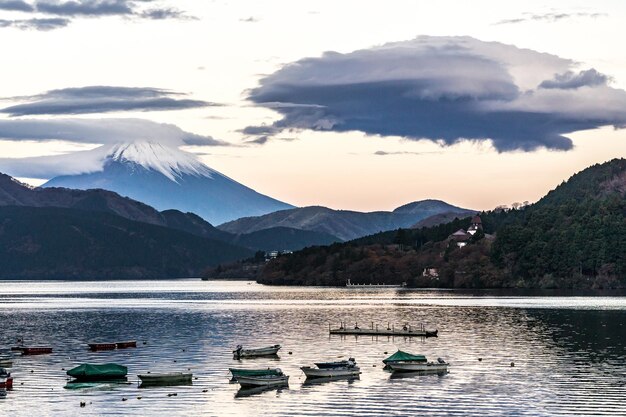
<point>401,356</point>
<point>254,372</point>
<point>103,372</point>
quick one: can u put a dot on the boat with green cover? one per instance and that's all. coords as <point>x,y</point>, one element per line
<point>405,357</point>
<point>98,372</point>
<point>236,372</point>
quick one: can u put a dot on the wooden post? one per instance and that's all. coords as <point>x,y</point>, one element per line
<point>372,325</point>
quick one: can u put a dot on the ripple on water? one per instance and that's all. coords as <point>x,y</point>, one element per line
<point>567,352</point>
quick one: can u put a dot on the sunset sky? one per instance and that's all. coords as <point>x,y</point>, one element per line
<point>361,105</point>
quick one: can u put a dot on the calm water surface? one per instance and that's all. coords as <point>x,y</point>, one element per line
<point>569,351</point>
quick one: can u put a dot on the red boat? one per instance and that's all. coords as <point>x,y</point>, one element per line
<point>101,346</point>
<point>36,350</point>
<point>6,380</point>
<point>127,344</point>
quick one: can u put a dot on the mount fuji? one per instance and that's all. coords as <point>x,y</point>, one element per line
<point>168,178</point>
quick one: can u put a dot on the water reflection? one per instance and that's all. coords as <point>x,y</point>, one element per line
<point>568,352</point>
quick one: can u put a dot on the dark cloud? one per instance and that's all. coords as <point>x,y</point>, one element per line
<point>444,89</point>
<point>16,5</point>
<point>101,99</point>
<point>86,7</point>
<point>167,13</point>
<point>549,17</point>
<point>102,131</point>
<point>570,79</point>
<point>62,11</point>
<point>36,24</point>
<point>385,153</point>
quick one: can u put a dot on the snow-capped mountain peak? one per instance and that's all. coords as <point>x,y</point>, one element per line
<point>169,161</point>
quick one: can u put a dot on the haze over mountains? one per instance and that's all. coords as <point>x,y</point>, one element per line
<point>346,224</point>
<point>168,178</point>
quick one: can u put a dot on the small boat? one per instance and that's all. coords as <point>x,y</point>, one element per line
<point>127,344</point>
<point>6,380</point>
<point>240,352</point>
<point>5,361</point>
<point>172,378</point>
<point>406,362</point>
<point>254,372</point>
<point>337,364</point>
<point>263,381</point>
<point>332,369</point>
<point>330,372</point>
<point>101,346</point>
<point>36,350</point>
<point>94,372</point>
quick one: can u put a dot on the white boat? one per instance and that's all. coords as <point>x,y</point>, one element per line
<point>330,372</point>
<point>263,381</point>
<point>412,366</point>
<point>240,352</point>
<point>332,369</point>
<point>172,378</point>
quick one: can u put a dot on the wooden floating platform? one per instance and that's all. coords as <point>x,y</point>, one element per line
<point>405,331</point>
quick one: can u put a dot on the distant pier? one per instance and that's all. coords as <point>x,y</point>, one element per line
<point>389,330</point>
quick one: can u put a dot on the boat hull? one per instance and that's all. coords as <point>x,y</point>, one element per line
<point>127,344</point>
<point>36,350</point>
<point>253,353</point>
<point>249,382</point>
<point>330,372</point>
<point>6,364</point>
<point>101,346</point>
<point>6,382</point>
<point>433,367</point>
<point>178,378</point>
<point>254,372</point>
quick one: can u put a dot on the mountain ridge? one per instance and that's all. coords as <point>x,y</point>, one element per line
<point>345,224</point>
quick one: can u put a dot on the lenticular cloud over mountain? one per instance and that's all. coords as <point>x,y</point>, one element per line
<point>444,89</point>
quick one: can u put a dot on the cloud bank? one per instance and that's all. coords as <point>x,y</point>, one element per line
<point>101,99</point>
<point>58,13</point>
<point>444,89</point>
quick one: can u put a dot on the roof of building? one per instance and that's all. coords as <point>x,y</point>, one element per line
<point>477,220</point>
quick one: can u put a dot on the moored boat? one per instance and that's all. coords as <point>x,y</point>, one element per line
<point>36,350</point>
<point>101,346</point>
<point>332,369</point>
<point>406,362</point>
<point>263,380</point>
<point>126,344</point>
<point>240,352</point>
<point>330,372</point>
<point>236,372</point>
<point>6,363</point>
<point>6,380</point>
<point>336,364</point>
<point>172,378</point>
<point>98,372</point>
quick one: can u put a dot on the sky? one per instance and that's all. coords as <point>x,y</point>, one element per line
<point>360,105</point>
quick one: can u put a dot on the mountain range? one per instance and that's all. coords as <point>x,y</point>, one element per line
<point>65,218</point>
<point>346,224</point>
<point>168,178</point>
<point>574,237</point>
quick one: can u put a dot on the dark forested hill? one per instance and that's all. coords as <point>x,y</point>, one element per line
<point>573,237</point>
<point>62,243</point>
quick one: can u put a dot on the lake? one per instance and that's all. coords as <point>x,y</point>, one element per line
<point>568,350</point>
